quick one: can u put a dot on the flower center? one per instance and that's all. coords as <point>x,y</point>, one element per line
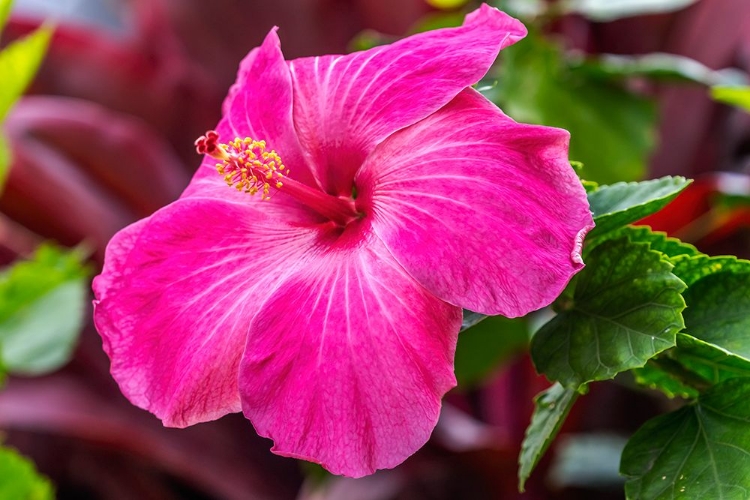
<point>246,165</point>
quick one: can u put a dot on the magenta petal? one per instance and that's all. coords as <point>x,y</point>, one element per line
<point>485,212</point>
<point>259,106</point>
<point>345,105</point>
<point>348,362</point>
<point>176,298</point>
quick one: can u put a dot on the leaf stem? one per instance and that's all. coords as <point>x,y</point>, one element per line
<point>681,374</point>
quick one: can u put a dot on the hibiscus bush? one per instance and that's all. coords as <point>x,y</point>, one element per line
<point>436,266</point>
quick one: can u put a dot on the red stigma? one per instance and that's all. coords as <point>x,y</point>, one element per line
<point>206,144</point>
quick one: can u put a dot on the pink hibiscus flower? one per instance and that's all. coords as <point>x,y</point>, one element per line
<point>390,194</point>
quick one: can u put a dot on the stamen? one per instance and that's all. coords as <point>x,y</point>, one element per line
<point>247,166</point>
<point>245,163</point>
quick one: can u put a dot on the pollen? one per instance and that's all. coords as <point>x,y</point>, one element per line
<point>245,164</point>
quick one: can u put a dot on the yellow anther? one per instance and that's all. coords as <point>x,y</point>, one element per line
<point>246,165</point>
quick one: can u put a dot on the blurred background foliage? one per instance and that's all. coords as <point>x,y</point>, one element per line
<point>104,136</point>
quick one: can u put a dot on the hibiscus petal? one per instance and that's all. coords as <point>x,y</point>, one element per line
<point>176,298</point>
<point>345,105</point>
<point>259,106</point>
<point>348,362</point>
<point>485,212</point>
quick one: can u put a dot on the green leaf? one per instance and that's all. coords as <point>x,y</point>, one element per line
<point>619,204</point>
<point>609,10</point>
<point>625,309</point>
<point>523,8</point>
<point>5,6</point>
<point>612,130</point>
<point>659,66</point>
<point>19,479</point>
<point>437,20</point>
<point>314,473</point>
<point>736,96</point>
<point>20,61</point>
<point>40,337</point>
<point>470,319</point>
<point>446,4</point>
<point>691,367</point>
<point>718,311</point>
<point>551,407</point>
<point>4,161</point>
<point>709,361</point>
<point>653,377</point>
<point>41,311</point>
<point>691,269</point>
<point>484,346</point>
<point>590,186</point>
<point>659,241</point>
<point>698,452</point>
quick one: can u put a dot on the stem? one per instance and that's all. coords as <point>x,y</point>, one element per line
<point>246,165</point>
<point>681,374</point>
